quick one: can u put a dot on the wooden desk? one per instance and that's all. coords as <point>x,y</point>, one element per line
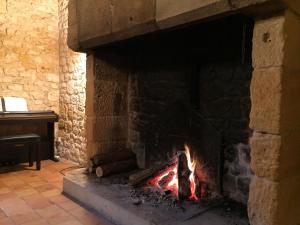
<point>40,122</point>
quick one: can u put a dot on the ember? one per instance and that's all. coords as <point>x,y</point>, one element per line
<point>168,180</point>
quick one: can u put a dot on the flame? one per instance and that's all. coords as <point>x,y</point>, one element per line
<point>173,184</point>
<point>192,166</point>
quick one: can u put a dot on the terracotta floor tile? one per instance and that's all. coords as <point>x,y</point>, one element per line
<point>37,201</point>
<point>45,187</point>
<point>25,192</point>
<point>13,206</point>
<point>31,197</point>
<point>24,218</point>
<point>37,183</point>
<point>6,221</point>
<point>7,196</point>
<point>63,218</point>
<point>31,178</point>
<point>68,205</point>
<point>51,211</point>
<point>37,222</point>
<point>2,214</point>
<point>13,182</point>
<point>5,190</point>
<point>71,222</point>
<point>51,193</point>
<point>59,198</point>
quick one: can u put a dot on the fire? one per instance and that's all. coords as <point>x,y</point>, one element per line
<point>173,181</point>
<point>192,166</point>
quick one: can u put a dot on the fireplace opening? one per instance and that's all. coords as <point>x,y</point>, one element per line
<point>181,103</point>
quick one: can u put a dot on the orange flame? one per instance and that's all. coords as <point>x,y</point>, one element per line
<point>192,166</point>
<point>173,184</point>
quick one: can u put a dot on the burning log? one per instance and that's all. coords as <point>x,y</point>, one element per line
<point>137,178</point>
<point>114,156</point>
<point>116,167</point>
<point>184,190</point>
<point>163,183</point>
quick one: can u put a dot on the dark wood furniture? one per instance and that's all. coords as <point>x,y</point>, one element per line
<point>31,141</point>
<point>19,123</point>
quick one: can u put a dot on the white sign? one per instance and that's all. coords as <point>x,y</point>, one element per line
<point>14,104</point>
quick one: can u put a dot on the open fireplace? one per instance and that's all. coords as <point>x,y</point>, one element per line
<point>187,87</point>
<point>176,107</point>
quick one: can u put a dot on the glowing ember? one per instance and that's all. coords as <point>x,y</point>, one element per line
<point>173,182</point>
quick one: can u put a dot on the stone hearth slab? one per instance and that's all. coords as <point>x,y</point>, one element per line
<point>114,202</point>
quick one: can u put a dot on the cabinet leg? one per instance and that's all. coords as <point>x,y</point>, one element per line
<point>38,156</point>
<point>30,155</point>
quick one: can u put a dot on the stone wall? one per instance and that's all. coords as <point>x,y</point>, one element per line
<point>29,52</point>
<point>106,104</point>
<point>71,142</point>
<point>275,89</point>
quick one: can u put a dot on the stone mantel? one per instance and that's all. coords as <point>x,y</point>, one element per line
<point>94,23</point>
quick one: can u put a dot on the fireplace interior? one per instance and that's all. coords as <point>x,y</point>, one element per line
<point>188,86</point>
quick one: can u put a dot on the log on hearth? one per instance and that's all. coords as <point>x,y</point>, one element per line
<point>139,177</point>
<point>116,167</point>
<point>184,189</point>
<point>166,180</point>
<point>113,156</point>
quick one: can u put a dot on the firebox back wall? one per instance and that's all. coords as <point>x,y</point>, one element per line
<point>144,87</point>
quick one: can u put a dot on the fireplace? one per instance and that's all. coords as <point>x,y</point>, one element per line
<point>207,86</point>
<point>188,86</point>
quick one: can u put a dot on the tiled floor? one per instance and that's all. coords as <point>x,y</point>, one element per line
<point>31,197</point>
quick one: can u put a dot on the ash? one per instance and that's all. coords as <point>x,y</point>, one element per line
<point>155,197</point>
<point>165,201</point>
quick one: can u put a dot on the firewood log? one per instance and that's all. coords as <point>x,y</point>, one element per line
<point>140,176</point>
<point>166,180</point>
<point>116,167</point>
<point>184,190</point>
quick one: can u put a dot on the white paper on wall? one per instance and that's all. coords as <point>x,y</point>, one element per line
<point>14,104</point>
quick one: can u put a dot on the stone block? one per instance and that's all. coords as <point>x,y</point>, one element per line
<point>110,129</point>
<point>110,98</point>
<point>94,18</point>
<point>166,9</point>
<point>266,96</point>
<point>169,8</point>
<point>3,6</point>
<point>268,42</point>
<point>137,13</point>
<point>263,202</point>
<point>265,155</point>
<point>110,146</point>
